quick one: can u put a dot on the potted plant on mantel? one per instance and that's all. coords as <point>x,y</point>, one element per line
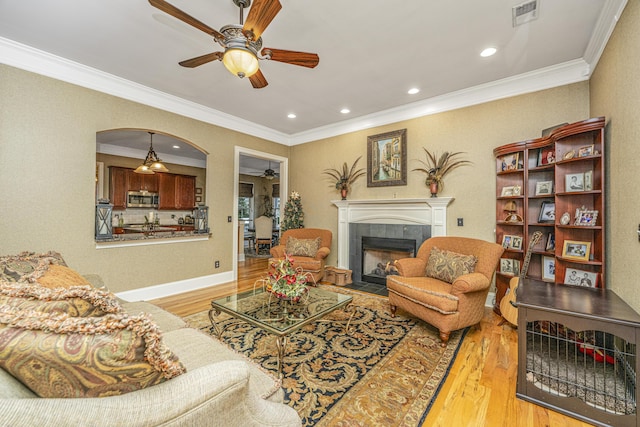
<point>437,168</point>
<point>345,177</point>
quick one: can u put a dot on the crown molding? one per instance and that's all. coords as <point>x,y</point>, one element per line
<point>40,62</point>
<point>607,21</point>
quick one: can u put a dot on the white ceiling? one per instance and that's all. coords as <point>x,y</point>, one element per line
<point>371,52</point>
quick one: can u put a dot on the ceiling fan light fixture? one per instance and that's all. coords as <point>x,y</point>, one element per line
<point>240,62</point>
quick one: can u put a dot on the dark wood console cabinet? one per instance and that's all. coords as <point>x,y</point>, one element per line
<point>577,352</point>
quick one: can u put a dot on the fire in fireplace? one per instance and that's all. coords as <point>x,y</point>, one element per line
<point>378,255</point>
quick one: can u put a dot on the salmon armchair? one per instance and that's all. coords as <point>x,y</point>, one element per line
<point>312,263</point>
<point>432,292</point>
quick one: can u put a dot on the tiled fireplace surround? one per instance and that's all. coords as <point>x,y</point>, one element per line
<point>416,219</point>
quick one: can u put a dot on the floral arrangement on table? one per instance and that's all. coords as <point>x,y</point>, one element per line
<point>286,281</point>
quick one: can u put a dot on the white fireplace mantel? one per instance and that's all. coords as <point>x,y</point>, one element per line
<point>428,211</point>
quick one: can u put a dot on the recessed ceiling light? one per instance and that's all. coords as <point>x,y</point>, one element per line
<point>488,52</point>
<point>176,147</point>
<point>291,116</point>
<point>413,91</point>
<point>345,111</point>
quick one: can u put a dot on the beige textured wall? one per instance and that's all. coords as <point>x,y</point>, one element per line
<point>475,130</point>
<point>47,163</point>
<point>615,93</point>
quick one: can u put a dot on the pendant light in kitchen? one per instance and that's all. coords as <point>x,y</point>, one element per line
<point>152,163</point>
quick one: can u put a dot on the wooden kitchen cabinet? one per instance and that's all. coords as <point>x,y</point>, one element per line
<point>118,187</point>
<point>167,191</point>
<point>142,182</point>
<point>185,192</point>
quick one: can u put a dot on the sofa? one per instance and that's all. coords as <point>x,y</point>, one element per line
<point>447,282</point>
<point>217,387</point>
<point>309,248</point>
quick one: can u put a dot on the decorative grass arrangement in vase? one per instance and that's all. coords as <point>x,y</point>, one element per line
<point>287,282</point>
<point>345,177</point>
<point>437,168</point>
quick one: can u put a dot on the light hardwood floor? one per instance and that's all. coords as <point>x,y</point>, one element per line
<point>480,388</point>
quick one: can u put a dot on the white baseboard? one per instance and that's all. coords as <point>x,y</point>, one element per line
<point>173,288</point>
<point>491,300</point>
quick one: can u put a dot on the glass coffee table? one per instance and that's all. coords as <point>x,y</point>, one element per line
<point>278,317</point>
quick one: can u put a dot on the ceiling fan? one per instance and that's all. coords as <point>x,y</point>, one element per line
<point>242,43</point>
<point>270,173</point>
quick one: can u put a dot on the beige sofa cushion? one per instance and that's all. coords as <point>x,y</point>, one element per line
<point>426,291</point>
<point>27,266</point>
<point>56,355</point>
<point>447,266</point>
<point>60,276</point>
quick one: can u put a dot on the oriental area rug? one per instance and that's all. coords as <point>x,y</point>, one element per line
<point>386,372</point>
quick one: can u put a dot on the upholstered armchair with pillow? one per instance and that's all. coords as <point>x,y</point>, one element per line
<point>309,248</point>
<point>447,283</point>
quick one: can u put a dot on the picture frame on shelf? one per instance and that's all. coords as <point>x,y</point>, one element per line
<point>588,181</point>
<point>586,218</point>
<point>510,241</point>
<point>576,250</point>
<point>547,212</point>
<point>576,277</point>
<point>387,159</point>
<point>574,182</point>
<point>544,188</point>
<point>548,269</point>
<point>511,190</point>
<point>506,241</point>
<point>506,266</point>
<point>515,266</point>
<point>551,242</point>
<point>546,156</point>
<point>585,151</point>
<point>508,162</point>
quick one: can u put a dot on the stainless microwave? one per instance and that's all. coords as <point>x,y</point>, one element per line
<point>142,199</point>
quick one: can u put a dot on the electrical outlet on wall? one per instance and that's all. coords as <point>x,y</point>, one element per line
<point>460,222</point>
<point>229,219</point>
<point>217,264</point>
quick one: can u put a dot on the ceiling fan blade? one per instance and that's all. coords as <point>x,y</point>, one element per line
<point>200,60</point>
<point>257,80</point>
<point>186,18</point>
<point>302,59</point>
<point>260,16</point>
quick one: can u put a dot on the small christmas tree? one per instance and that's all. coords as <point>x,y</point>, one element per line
<point>293,215</point>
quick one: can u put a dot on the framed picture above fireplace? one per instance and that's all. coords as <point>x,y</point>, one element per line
<point>387,159</point>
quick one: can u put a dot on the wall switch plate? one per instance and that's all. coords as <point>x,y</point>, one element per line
<point>229,219</point>
<point>217,264</point>
<point>460,222</point>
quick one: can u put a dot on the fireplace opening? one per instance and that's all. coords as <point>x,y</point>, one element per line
<point>378,255</point>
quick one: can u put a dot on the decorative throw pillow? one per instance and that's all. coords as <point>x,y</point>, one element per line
<point>447,266</point>
<point>60,276</point>
<point>27,266</point>
<point>60,356</point>
<point>77,301</point>
<point>302,247</point>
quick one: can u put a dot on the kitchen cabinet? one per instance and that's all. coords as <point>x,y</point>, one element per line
<point>118,187</point>
<point>142,182</point>
<point>185,192</point>
<point>167,191</point>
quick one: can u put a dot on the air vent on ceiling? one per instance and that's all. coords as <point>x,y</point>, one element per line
<point>524,12</point>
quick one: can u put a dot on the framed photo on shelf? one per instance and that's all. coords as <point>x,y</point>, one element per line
<point>551,242</point>
<point>588,181</point>
<point>585,151</point>
<point>508,162</point>
<point>576,249</point>
<point>577,277</point>
<point>574,182</point>
<point>548,269</point>
<point>547,212</point>
<point>506,266</point>
<point>586,217</point>
<point>511,190</point>
<point>511,242</point>
<point>546,155</point>
<point>544,188</point>
<point>387,159</point>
